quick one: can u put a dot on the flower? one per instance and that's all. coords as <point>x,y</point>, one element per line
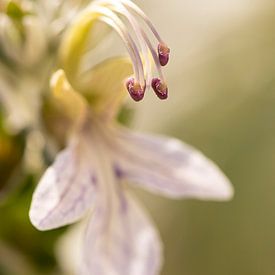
<point>88,177</point>
<point>30,33</point>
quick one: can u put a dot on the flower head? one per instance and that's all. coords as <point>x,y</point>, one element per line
<point>88,177</point>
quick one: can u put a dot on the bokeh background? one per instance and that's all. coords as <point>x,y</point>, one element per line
<point>222,101</point>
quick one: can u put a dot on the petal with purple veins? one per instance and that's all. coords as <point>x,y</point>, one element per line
<point>168,167</point>
<point>65,191</point>
<point>121,240</point>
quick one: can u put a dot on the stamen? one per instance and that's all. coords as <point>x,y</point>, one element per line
<point>136,85</point>
<point>154,54</point>
<point>111,19</point>
<point>163,50</point>
<point>160,88</point>
<point>135,90</point>
<point>120,8</point>
<point>140,12</point>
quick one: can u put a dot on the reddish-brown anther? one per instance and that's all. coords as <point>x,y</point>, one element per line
<point>160,88</point>
<point>164,54</point>
<point>135,90</point>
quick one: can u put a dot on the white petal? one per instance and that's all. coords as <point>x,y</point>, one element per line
<point>121,242</point>
<point>169,167</point>
<point>65,191</point>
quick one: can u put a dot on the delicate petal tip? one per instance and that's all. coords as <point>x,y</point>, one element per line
<point>225,191</point>
<point>35,222</point>
<point>65,192</point>
<point>135,90</point>
<point>38,223</point>
<point>212,183</point>
<point>159,88</point>
<point>39,207</point>
<point>164,54</point>
<point>220,189</point>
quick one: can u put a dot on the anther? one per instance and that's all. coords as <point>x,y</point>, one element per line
<point>163,52</point>
<point>135,90</point>
<point>159,88</point>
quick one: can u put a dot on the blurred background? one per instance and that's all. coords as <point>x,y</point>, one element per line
<point>222,101</point>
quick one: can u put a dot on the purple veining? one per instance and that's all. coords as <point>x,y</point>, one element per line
<point>71,181</point>
<point>93,179</point>
<point>181,155</point>
<point>118,171</point>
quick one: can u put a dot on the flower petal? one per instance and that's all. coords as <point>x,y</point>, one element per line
<point>169,167</point>
<point>121,242</point>
<point>105,84</point>
<point>66,98</point>
<point>65,192</point>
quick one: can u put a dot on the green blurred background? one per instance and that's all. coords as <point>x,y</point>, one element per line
<point>222,101</point>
